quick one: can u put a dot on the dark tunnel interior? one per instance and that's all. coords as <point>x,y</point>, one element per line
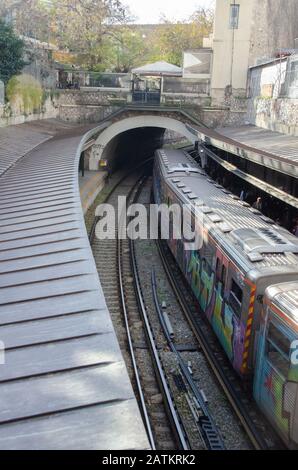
<point>131,147</point>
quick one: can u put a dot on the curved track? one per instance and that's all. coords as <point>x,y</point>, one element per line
<point>117,269</point>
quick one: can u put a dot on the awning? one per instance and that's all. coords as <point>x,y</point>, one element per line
<point>159,68</point>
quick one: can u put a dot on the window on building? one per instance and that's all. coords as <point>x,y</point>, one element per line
<point>234,16</point>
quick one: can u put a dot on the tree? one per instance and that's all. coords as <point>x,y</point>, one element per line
<point>203,20</point>
<point>11,53</point>
<point>127,49</point>
<point>169,41</point>
<point>83,26</point>
<point>94,34</point>
<point>29,17</point>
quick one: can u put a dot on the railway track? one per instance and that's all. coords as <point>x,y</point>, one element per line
<point>260,433</point>
<point>116,264</point>
<point>207,428</point>
<point>208,422</point>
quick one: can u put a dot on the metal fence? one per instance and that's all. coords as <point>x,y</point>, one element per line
<point>184,85</point>
<point>69,78</point>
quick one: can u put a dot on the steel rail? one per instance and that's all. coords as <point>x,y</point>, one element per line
<point>113,189</point>
<point>209,430</point>
<point>173,415</point>
<point>142,402</point>
<point>168,402</point>
<point>170,406</point>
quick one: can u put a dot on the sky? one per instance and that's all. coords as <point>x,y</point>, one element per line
<point>150,11</point>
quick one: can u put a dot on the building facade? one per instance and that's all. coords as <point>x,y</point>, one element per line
<point>245,33</point>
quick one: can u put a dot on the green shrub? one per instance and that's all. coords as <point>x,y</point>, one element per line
<point>25,92</point>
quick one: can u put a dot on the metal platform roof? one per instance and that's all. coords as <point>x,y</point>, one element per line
<point>64,384</point>
<point>17,141</point>
<point>271,149</point>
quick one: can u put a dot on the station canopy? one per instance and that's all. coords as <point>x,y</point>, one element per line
<point>161,68</point>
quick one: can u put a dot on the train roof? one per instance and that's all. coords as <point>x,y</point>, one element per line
<point>284,296</point>
<point>249,236</point>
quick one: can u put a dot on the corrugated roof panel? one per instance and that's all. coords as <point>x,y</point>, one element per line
<point>64,383</point>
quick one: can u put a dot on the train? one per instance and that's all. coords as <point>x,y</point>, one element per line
<point>244,276</point>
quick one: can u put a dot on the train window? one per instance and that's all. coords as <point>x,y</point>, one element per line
<point>206,267</point>
<point>171,226</point>
<point>223,275</point>
<point>278,360</point>
<point>223,279</point>
<point>235,298</point>
<point>217,269</point>
<point>237,291</point>
<point>279,339</point>
<point>278,350</point>
<point>188,231</point>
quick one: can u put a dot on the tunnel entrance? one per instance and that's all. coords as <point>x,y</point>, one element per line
<point>131,147</point>
<point>134,138</point>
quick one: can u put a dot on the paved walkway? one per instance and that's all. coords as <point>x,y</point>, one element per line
<point>90,185</point>
<point>64,384</point>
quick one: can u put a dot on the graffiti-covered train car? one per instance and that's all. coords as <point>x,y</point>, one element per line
<point>276,369</point>
<point>241,254</point>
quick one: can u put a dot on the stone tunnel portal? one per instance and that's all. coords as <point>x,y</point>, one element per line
<point>133,139</point>
<point>129,148</point>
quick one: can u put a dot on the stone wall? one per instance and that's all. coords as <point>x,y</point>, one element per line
<point>180,99</point>
<point>86,114</point>
<point>219,116</point>
<point>274,26</point>
<point>222,117</point>
<point>89,105</point>
<point>273,95</point>
<point>11,116</point>
<point>93,97</point>
<point>280,115</point>
<point>40,65</point>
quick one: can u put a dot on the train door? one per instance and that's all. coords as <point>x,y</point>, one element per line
<point>276,378</point>
<point>221,319</point>
<point>207,276</point>
<point>234,331</point>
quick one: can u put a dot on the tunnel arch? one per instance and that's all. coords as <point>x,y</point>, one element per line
<point>135,122</point>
